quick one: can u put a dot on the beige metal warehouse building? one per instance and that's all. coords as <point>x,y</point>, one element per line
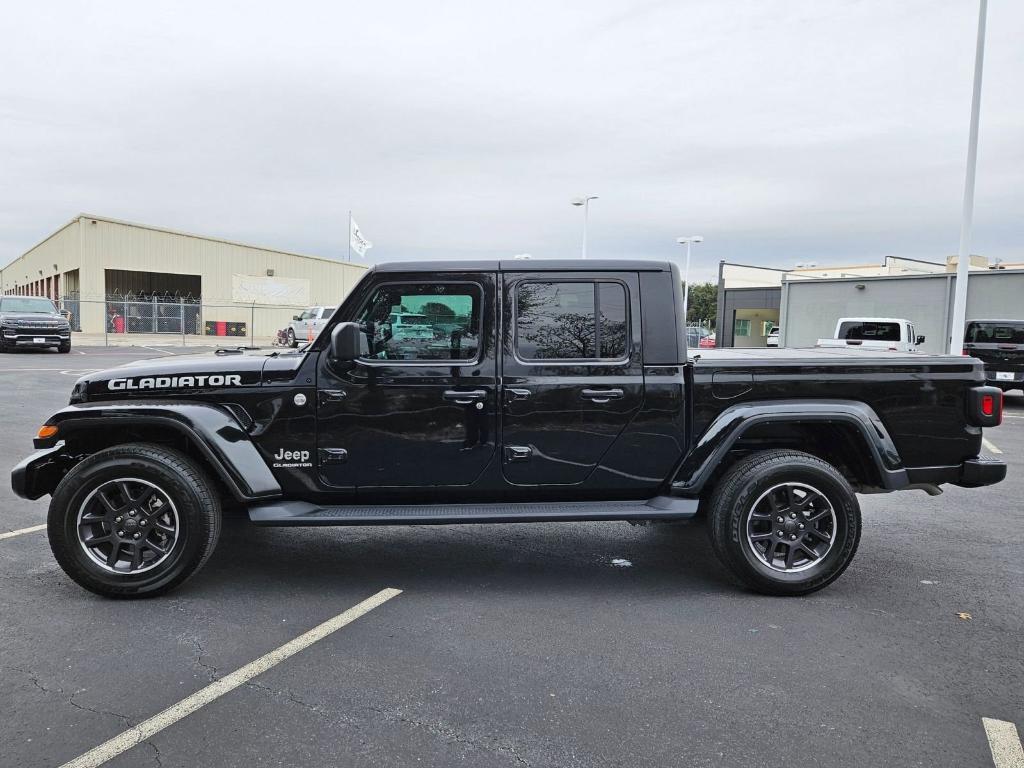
<point>158,280</point>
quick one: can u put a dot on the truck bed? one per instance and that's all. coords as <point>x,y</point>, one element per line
<point>919,398</point>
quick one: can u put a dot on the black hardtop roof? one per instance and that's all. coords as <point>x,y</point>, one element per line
<point>527,265</point>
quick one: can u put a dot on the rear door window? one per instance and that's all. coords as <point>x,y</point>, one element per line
<point>571,320</point>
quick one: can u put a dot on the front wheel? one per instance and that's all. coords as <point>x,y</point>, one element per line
<point>784,522</point>
<point>135,520</point>
<point>64,347</point>
<point>292,341</point>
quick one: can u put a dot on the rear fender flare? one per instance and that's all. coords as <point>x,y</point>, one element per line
<point>729,427</point>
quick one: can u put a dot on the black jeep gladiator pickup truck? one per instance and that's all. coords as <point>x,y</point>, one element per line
<point>484,392</point>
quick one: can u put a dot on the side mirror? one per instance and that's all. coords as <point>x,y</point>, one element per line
<point>920,339</point>
<point>296,317</point>
<point>345,341</point>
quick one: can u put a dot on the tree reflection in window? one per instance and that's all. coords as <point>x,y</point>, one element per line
<point>571,320</point>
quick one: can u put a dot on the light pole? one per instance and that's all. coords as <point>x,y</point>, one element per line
<point>688,242</point>
<point>585,203</point>
<point>963,265</point>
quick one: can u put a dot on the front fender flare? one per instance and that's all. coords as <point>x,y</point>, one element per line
<point>222,441</point>
<point>730,425</point>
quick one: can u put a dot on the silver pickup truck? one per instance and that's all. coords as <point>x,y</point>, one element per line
<point>307,326</point>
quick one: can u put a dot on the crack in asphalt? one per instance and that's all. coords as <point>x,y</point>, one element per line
<point>289,696</point>
<point>451,734</point>
<point>125,719</point>
<point>198,660</point>
<point>447,733</point>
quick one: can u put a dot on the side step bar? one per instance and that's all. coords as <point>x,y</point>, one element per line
<point>304,513</point>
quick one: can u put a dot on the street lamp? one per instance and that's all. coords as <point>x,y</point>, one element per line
<point>963,265</point>
<point>585,203</point>
<point>688,241</point>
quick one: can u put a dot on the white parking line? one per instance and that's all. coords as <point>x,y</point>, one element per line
<point>989,446</point>
<point>226,684</point>
<point>33,529</point>
<point>1004,742</point>
<point>156,349</point>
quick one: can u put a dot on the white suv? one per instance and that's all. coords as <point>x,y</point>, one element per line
<point>306,326</point>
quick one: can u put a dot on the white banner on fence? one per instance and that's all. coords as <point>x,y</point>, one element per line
<point>278,291</point>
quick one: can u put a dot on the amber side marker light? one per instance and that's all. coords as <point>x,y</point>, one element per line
<point>45,431</point>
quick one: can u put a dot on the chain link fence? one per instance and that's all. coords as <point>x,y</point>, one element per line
<point>700,334</point>
<point>180,321</point>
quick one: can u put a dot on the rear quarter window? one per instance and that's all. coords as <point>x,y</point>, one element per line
<point>870,331</point>
<point>995,333</point>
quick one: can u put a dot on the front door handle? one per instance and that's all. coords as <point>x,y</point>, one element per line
<point>465,398</point>
<point>602,395</point>
<point>327,396</point>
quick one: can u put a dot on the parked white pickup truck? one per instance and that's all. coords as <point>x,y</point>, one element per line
<point>307,326</point>
<point>895,334</point>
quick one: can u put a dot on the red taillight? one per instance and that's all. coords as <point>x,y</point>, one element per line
<point>965,352</point>
<point>988,405</point>
<point>984,406</point>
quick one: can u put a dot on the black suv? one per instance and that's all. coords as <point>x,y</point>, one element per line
<point>32,321</point>
<point>1000,345</point>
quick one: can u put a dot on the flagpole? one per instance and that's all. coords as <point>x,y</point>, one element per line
<point>350,235</point>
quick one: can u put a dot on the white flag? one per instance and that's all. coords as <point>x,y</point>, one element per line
<point>359,243</point>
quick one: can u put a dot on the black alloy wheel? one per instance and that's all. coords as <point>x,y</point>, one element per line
<point>134,520</point>
<point>784,522</point>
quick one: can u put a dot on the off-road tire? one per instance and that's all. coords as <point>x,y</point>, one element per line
<point>64,348</point>
<point>731,504</point>
<point>178,477</point>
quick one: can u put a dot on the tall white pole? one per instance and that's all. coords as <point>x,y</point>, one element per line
<point>686,284</point>
<point>963,259</point>
<point>350,235</point>
<point>586,217</point>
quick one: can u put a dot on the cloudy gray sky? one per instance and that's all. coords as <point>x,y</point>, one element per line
<point>782,131</point>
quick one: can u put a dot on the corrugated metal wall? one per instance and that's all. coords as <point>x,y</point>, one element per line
<point>97,246</point>
<point>60,249</point>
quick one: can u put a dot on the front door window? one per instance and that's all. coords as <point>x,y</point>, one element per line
<point>417,322</point>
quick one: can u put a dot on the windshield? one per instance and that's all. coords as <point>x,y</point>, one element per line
<point>870,331</point>
<point>995,333</point>
<point>27,304</point>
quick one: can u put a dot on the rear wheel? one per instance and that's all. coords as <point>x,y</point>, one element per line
<point>134,520</point>
<point>784,522</point>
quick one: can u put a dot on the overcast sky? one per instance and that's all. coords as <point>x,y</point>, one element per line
<point>782,131</point>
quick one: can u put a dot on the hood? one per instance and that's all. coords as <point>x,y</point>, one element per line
<point>186,375</point>
<point>48,317</point>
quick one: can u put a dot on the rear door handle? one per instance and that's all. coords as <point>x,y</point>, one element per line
<point>602,395</point>
<point>512,393</point>
<point>465,398</point>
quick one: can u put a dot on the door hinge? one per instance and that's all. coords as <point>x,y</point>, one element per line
<point>333,456</point>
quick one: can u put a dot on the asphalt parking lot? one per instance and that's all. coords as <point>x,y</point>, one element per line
<point>599,644</point>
